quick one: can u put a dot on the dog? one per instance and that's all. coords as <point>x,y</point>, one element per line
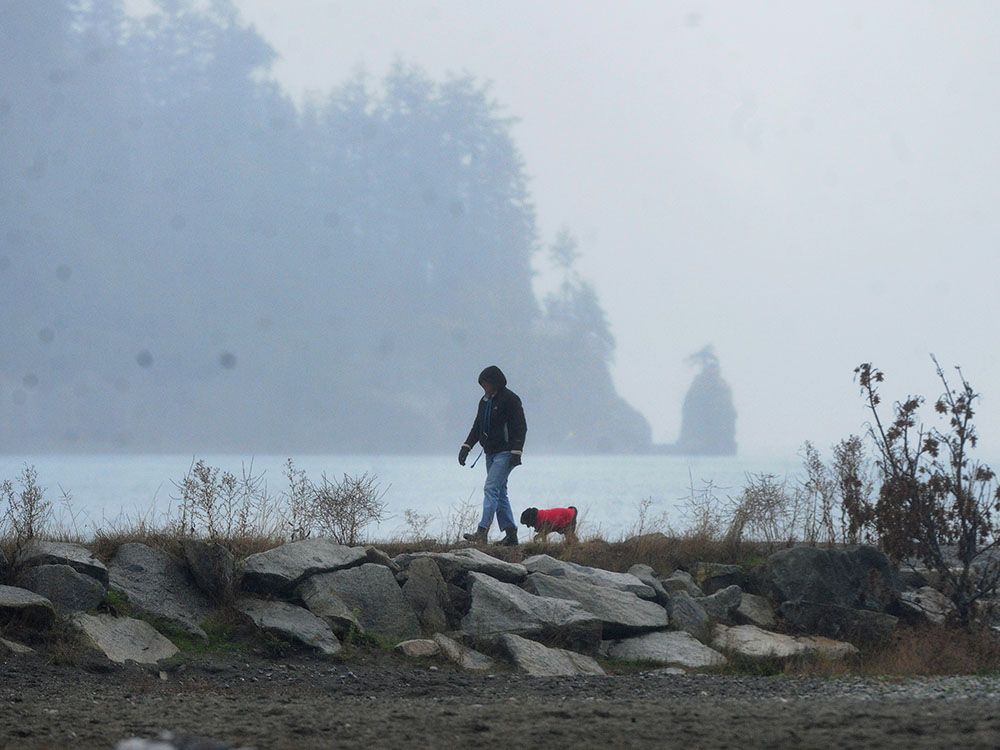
<point>553,520</point>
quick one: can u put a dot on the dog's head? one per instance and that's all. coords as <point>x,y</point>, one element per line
<point>529,517</point>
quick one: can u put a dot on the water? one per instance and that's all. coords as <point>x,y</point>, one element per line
<point>606,489</point>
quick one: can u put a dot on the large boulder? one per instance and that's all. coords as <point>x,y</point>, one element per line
<point>596,576</point>
<point>324,602</point>
<point>212,566</point>
<point>675,648</point>
<point>22,608</point>
<point>858,577</point>
<point>681,580</point>
<point>647,575</point>
<point>621,612</point>
<point>712,577</point>
<point>927,605</point>
<point>458,563</point>
<point>755,610</point>
<point>38,552</point>
<point>722,605</point>
<point>427,592</point>
<point>124,639</point>
<point>688,615</point>
<point>751,641</point>
<point>68,590</point>
<point>498,608</point>
<point>159,586</point>
<point>372,592</point>
<point>463,656</point>
<point>854,625</point>
<point>541,661</point>
<point>278,571</point>
<point>290,622</point>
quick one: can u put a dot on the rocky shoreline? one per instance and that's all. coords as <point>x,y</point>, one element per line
<point>454,616</point>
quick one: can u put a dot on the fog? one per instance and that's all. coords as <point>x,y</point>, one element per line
<point>216,235</point>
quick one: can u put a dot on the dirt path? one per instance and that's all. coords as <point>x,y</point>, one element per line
<point>382,702</point>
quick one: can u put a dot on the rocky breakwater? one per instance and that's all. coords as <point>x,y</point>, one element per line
<point>542,616</point>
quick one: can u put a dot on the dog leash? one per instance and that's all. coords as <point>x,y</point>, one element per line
<point>477,459</point>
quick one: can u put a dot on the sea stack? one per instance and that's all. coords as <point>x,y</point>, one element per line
<point>708,419</point>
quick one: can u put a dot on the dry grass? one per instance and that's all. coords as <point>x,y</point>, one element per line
<point>915,652</point>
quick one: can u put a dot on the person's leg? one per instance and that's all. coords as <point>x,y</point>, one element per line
<point>505,516</point>
<point>496,477</point>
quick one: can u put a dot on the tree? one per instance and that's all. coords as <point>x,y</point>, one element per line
<point>936,503</point>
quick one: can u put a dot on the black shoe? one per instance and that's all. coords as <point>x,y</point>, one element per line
<point>510,540</point>
<point>478,537</point>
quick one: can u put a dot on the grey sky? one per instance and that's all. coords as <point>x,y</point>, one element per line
<point>805,185</point>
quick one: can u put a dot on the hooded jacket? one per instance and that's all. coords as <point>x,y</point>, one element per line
<point>499,424</point>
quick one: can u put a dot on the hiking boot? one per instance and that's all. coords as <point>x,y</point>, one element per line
<point>477,537</point>
<point>510,540</point>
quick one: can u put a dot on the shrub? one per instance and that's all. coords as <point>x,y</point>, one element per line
<point>936,503</point>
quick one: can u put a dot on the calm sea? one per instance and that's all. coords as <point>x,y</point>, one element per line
<point>606,489</point>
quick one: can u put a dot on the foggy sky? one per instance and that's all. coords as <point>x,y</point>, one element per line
<point>805,186</point>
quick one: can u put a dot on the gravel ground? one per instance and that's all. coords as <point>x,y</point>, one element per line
<point>379,701</point>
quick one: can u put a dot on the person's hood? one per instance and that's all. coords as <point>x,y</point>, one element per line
<point>495,376</point>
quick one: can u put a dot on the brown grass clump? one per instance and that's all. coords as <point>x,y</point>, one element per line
<point>915,652</point>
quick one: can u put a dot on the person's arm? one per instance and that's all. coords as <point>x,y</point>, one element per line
<point>517,427</point>
<point>471,440</point>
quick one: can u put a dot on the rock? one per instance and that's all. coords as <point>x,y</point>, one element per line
<point>458,563</point>
<point>854,625</point>
<point>854,577</point>
<point>427,593</point>
<point>751,641</point>
<point>928,604</point>
<point>324,602</point>
<point>463,656</point>
<point>418,648</point>
<point>171,741</point>
<point>913,578</point>
<point>213,568</point>
<point>124,639</point>
<point>281,569</point>
<point>158,586</point>
<point>755,610</point>
<point>621,612</point>
<point>645,574</point>
<point>12,647</point>
<point>67,589</point>
<point>499,608</point>
<point>378,557</point>
<point>77,557</point>
<point>712,577</point>
<point>372,593</point>
<point>22,608</point>
<point>681,580</point>
<point>291,622</point>
<point>688,615</point>
<point>4,566</point>
<point>675,648</point>
<point>722,605</point>
<point>573,571</point>
<point>541,661</point>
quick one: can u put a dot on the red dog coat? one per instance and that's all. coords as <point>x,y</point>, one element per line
<point>555,519</point>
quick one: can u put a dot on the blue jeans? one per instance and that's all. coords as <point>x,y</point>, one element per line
<point>495,500</point>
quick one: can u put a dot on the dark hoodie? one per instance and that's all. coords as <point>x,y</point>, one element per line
<point>500,424</point>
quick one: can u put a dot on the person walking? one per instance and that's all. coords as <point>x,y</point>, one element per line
<point>500,428</point>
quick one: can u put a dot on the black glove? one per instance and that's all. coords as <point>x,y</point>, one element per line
<point>515,460</point>
<point>463,453</point>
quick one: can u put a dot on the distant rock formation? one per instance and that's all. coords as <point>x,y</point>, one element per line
<point>708,421</point>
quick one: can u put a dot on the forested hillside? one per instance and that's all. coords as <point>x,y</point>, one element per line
<point>188,262</point>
